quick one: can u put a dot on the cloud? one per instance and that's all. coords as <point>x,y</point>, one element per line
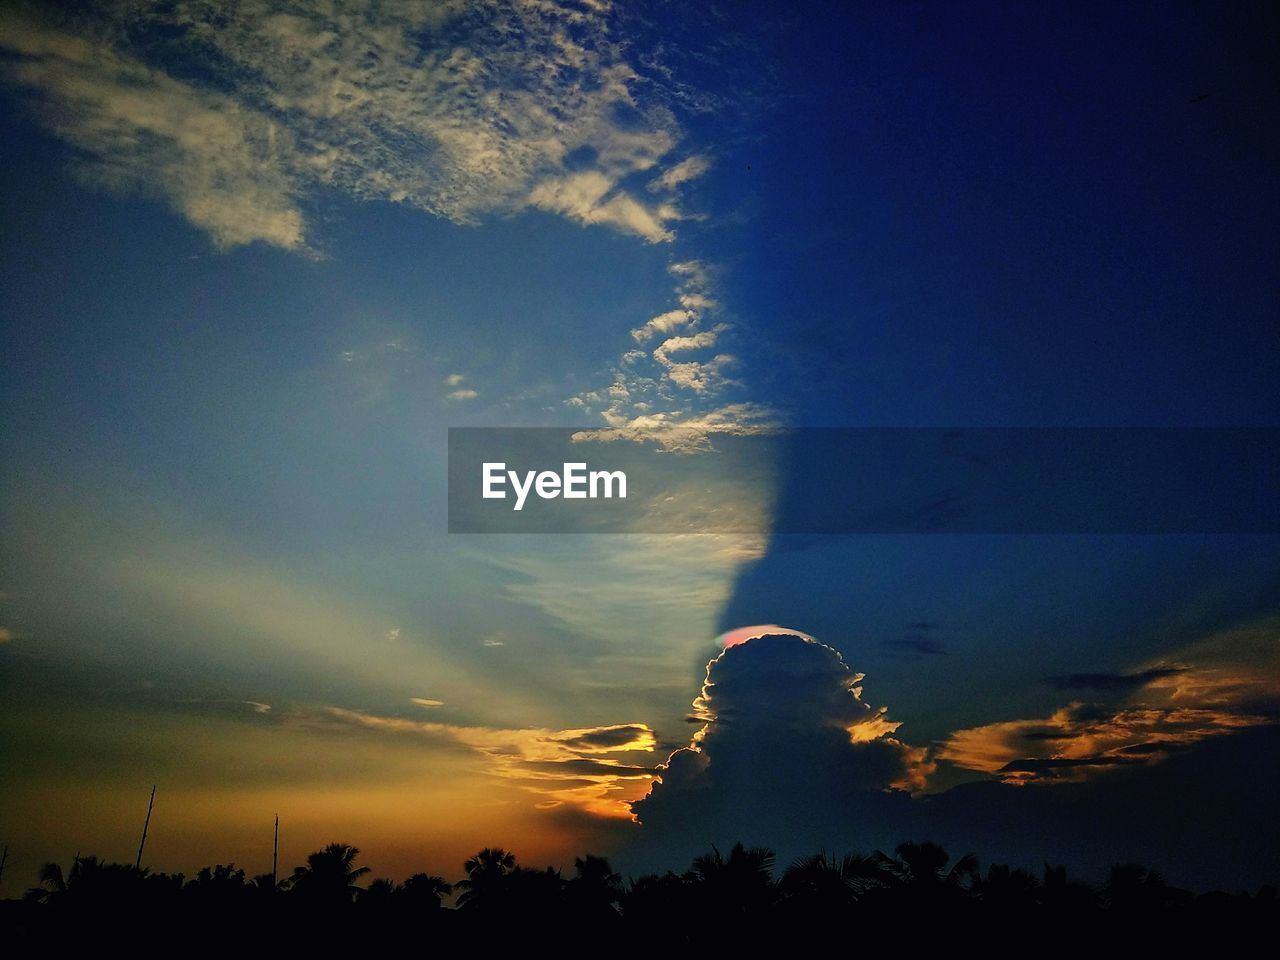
<point>461,110</point>
<point>687,169</point>
<point>788,751</point>
<point>1079,738</point>
<point>655,397</point>
<point>465,394</point>
<point>688,433</point>
<point>915,647</point>
<point>592,198</point>
<point>228,170</point>
<point>731,638</point>
<point>426,702</point>
<point>788,754</point>
<point>698,376</point>
<point>1220,685</point>
<point>1112,682</point>
<point>661,324</point>
<point>575,767</point>
<point>453,379</point>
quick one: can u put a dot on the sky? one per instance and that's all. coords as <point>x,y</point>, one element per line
<point>255,261</point>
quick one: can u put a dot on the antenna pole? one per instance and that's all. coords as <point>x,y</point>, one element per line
<point>146,823</point>
<point>275,852</point>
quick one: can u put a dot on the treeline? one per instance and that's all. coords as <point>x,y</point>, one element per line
<point>919,893</point>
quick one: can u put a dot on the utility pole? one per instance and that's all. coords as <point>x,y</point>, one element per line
<point>275,852</point>
<point>4,858</point>
<point>146,823</point>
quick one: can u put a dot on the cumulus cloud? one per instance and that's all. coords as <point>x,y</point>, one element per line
<point>453,379</point>
<point>789,754</point>
<point>788,750</point>
<point>577,767</point>
<point>464,394</point>
<point>462,110</point>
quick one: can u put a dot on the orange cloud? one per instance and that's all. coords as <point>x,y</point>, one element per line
<point>1216,686</point>
<point>563,767</point>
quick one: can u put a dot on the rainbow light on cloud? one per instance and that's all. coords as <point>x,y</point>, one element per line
<point>737,635</point>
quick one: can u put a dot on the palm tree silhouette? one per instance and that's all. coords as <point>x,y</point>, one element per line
<point>485,873</point>
<point>330,874</point>
<point>595,889</point>
<point>739,883</point>
<point>825,880</point>
<point>923,866</point>
<point>427,890</point>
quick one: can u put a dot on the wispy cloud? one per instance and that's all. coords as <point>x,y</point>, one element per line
<point>576,766</point>
<point>690,168</point>
<point>463,110</point>
<point>1215,687</point>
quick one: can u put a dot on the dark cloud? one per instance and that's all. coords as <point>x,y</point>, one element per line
<point>918,646</point>
<point>787,741</point>
<point>1048,765</point>
<point>791,757</point>
<point>1111,682</point>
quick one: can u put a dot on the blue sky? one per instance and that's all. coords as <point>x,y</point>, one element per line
<point>254,267</point>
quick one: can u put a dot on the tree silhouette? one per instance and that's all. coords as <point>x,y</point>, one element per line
<point>830,881</point>
<point>485,873</point>
<point>740,883</point>
<point>427,891</point>
<point>723,903</point>
<point>330,875</point>
<point>595,889</point>
<point>923,866</point>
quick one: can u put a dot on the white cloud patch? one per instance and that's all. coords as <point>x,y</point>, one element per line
<point>426,702</point>
<point>680,433</point>
<point>464,394</point>
<point>663,323</point>
<point>463,110</point>
<point>591,198</point>
<point>699,376</point>
<point>690,168</point>
<point>453,379</point>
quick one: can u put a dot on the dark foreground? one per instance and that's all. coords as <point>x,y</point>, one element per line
<point>918,898</point>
